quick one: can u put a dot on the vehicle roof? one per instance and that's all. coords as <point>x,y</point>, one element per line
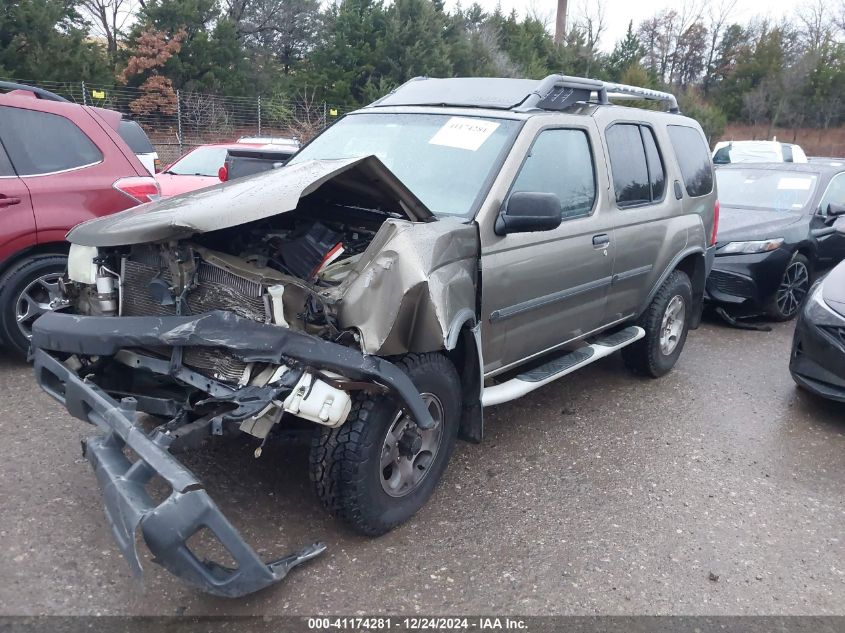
<point>555,93</point>
<point>804,168</point>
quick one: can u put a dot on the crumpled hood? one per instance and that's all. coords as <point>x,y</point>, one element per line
<point>751,224</point>
<point>249,199</point>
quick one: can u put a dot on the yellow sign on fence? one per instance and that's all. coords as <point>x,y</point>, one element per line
<point>98,94</point>
<point>333,112</point>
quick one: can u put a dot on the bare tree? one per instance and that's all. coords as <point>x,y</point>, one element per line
<point>592,22</point>
<point>109,19</point>
<point>815,24</point>
<point>719,14</point>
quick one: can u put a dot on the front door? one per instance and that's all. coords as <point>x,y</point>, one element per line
<point>17,219</point>
<point>831,247</point>
<point>542,289</point>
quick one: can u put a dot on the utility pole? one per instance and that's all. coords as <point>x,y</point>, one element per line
<point>560,21</point>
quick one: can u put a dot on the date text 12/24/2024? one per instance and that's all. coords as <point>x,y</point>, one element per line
<point>416,623</point>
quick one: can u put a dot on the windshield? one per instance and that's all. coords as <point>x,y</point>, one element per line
<point>769,189</point>
<point>203,161</point>
<point>447,161</point>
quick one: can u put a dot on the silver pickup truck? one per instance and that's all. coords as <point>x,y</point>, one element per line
<point>455,245</point>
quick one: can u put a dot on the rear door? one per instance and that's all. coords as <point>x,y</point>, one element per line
<point>643,216</point>
<point>17,221</point>
<point>542,289</point>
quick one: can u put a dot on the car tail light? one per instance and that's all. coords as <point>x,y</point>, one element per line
<point>139,188</point>
<point>223,173</point>
<point>715,224</point>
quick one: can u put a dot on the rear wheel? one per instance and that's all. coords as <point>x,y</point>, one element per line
<point>28,290</point>
<point>378,468</point>
<point>666,323</point>
<point>793,289</point>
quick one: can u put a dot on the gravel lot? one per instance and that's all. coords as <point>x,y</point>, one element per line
<point>719,489</point>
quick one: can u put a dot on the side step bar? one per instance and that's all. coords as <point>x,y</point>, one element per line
<point>560,366</point>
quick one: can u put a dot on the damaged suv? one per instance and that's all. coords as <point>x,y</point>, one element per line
<point>457,244</point>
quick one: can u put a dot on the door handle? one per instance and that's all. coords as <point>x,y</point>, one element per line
<point>601,242</point>
<point>6,201</point>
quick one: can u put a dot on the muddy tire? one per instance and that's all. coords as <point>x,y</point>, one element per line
<point>377,469</point>
<point>26,290</point>
<point>666,324</point>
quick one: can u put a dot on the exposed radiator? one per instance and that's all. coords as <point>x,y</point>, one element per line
<point>217,289</point>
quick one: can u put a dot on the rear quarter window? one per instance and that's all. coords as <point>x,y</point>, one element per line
<point>44,143</point>
<point>135,137</point>
<point>693,159</point>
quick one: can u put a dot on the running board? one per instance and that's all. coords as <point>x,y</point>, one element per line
<point>560,366</point>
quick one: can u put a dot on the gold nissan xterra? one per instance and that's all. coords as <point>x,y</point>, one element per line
<point>457,244</point>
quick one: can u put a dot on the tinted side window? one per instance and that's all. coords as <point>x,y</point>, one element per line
<point>561,162</point>
<point>628,164</point>
<point>135,137</point>
<point>41,143</point>
<point>693,158</point>
<point>656,172</point>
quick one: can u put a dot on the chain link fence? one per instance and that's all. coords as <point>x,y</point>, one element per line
<point>186,119</point>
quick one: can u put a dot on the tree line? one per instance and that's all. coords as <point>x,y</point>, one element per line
<point>788,72</point>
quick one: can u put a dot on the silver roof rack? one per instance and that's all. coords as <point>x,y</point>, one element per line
<point>621,91</point>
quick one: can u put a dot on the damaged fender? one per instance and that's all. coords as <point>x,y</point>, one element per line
<point>421,277</point>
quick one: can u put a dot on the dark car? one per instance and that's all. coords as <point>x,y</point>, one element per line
<point>60,164</point>
<point>818,348</point>
<point>247,161</point>
<point>774,233</point>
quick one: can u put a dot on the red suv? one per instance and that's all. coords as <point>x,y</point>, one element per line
<point>60,164</point>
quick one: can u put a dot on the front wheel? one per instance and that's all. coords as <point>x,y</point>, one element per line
<point>793,289</point>
<point>666,323</point>
<point>378,468</point>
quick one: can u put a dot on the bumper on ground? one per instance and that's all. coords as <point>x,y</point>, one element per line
<point>166,526</point>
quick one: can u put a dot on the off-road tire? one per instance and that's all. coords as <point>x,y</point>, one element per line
<point>345,462</point>
<point>773,311</point>
<point>645,356</point>
<point>12,284</point>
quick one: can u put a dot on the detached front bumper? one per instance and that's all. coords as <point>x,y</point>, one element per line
<point>167,526</point>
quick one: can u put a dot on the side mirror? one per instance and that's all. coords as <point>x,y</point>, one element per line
<point>528,212</point>
<point>835,210</point>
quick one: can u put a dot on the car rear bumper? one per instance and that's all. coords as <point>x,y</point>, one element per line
<point>166,526</point>
<point>746,282</point>
<point>817,361</point>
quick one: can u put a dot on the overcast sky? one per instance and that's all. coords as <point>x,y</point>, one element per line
<point>619,12</point>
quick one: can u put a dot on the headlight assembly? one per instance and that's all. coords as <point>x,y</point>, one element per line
<point>747,248</point>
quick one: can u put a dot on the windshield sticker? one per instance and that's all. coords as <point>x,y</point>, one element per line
<point>795,184</point>
<point>464,133</point>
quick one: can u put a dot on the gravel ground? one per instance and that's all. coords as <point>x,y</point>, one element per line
<point>719,489</point>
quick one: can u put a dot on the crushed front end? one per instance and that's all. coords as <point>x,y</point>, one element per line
<point>180,332</point>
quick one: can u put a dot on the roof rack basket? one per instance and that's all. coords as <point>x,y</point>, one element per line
<point>557,92</point>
